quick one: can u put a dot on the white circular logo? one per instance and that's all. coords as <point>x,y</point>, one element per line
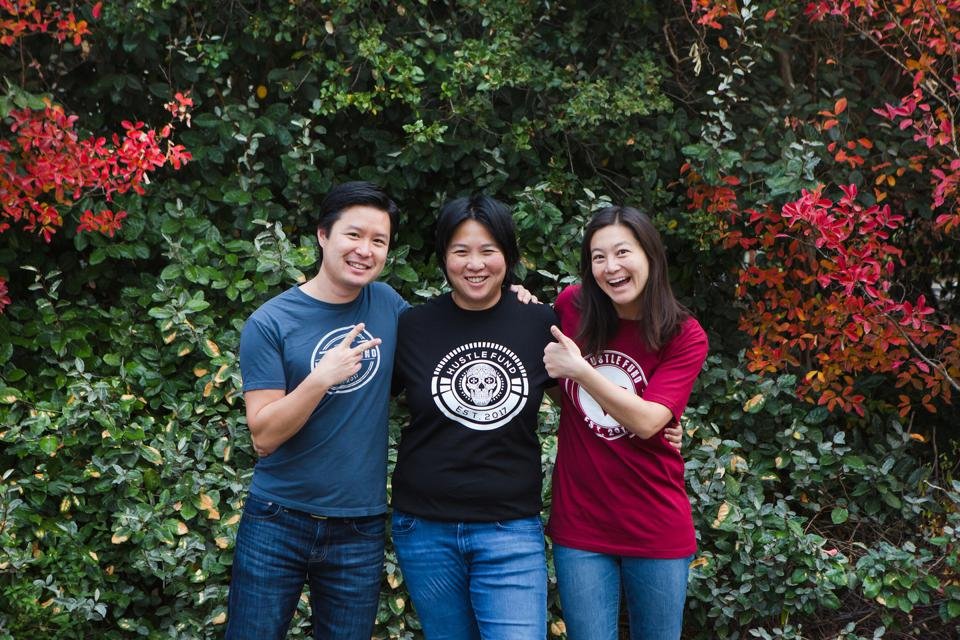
<point>621,370</point>
<point>369,360</point>
<point>481,385</point>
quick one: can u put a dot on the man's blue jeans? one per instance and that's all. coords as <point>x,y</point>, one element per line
<point>472,580</point>
<point>590,585</point>
<point>278,549</point>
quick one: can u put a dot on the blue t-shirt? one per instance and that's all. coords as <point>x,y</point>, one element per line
<point>336,465</point>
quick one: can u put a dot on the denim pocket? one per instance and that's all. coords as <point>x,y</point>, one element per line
<point>258,509</point>
<point>531,523</point>
<point>402,523</point>
<point>372,527</point>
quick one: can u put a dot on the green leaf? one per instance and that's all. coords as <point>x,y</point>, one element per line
<point>953,608</point>
<point>99,255</point>
<point>854,462</point>
<point>406,273</point>
<point>839,515</point>
<point>150,454</point>
<point>48,444</point>
<point>238,197</point>
<point>892,500</point>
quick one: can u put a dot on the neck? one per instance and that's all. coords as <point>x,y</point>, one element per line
<point>467,305</point>
<point>628,311</point>
<point>323,289</point>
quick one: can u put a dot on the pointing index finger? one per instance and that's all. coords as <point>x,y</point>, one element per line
<point>352,335</point>
<point>363,346</point>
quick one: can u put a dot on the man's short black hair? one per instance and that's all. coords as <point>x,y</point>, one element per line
<point>353,194</point>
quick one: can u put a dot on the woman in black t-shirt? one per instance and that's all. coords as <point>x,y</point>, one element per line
<point>466,489</point>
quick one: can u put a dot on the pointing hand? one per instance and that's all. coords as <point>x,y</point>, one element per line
<point>342,361</point>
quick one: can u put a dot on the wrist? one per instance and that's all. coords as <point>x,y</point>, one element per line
<point>318,383</point>
<point>582,372</point>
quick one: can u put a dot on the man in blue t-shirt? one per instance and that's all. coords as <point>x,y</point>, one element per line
<point>316,362</point>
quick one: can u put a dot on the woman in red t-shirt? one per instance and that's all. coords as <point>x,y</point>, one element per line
<point>621,518</point>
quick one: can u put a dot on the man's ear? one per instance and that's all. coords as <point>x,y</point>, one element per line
<point>321,236</point>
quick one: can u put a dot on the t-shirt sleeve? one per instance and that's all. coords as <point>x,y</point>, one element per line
<point>402,305</point>
<point>672,381</point>
<point>549,319</point>
<point>261,361</point>
<point>396,380</point>
<point>565,310</point>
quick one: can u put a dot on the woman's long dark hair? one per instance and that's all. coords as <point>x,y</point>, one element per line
<point>660,314</point>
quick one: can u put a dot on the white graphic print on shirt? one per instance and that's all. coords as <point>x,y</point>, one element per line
<point>369,360</point>
<point>481,385</point>
<point>621,370</point>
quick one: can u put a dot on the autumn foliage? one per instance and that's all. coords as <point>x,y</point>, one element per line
<point>48,169</point>
<point>22,18</point>
<point>822,282</point>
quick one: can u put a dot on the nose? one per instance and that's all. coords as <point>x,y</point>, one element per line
<point>475,262</point>
<point>363,248</point>
<point>612,265</point>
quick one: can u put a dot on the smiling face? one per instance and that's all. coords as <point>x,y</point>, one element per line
<point>620,268</point>
<point>354,252</point>
<point>475,267</point>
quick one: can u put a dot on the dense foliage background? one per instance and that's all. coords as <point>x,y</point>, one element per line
<point>822,460</point>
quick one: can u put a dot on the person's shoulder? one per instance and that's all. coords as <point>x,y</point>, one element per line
<point>690,336</point>
<point>427,309</point>
<point>383,295</point>
<point>280,301</point>
<point>542,312</point>
<point>691,328</point>
<point>568,296</point>
<point>382,290</point>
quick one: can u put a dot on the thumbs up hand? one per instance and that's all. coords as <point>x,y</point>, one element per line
<point>562,358</point>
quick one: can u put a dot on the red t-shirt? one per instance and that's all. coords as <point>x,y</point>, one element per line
<point>614,492</point>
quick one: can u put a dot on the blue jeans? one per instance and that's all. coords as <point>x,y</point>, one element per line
<point>590,585</point>
<point>473,580</point>
<point>278,549</point>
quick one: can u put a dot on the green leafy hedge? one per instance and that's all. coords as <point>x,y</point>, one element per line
<point>124,453</point>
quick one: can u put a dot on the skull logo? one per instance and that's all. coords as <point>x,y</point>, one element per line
<point>481,383</point>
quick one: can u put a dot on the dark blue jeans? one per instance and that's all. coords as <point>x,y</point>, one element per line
<point>278,549</point>
<point>474,580</point>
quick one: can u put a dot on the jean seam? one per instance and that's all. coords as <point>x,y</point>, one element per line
<point>275,510</point>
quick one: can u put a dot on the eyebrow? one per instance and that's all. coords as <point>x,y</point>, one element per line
<point>353,227</point>
<point>616,246</point>
<point>463,245</point>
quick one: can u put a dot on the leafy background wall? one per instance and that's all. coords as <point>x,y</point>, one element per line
<point>821,439</point>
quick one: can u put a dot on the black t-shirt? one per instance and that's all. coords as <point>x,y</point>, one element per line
<point>474,383</point>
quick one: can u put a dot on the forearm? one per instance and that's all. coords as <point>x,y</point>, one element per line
<point>278,421</point>
<point>638,416</point>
